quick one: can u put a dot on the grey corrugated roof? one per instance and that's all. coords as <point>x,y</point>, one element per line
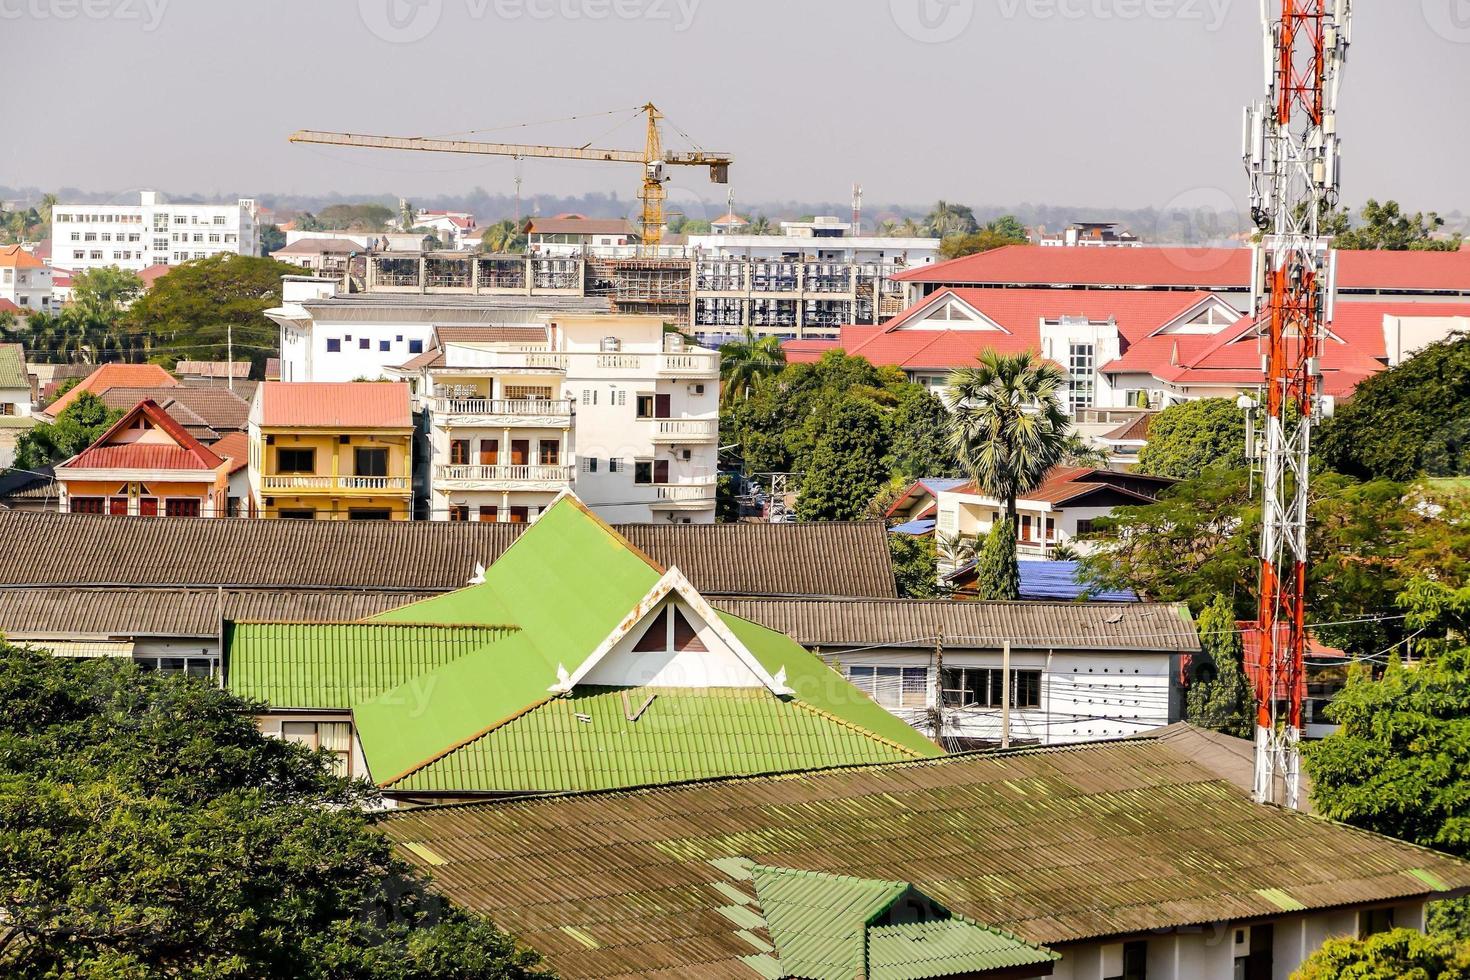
<point>735,559</point>
<point>212,405</point>
<point>432,308</point>
<point>836,623</point>
<point>1055,845</point>
<point>180,612</point>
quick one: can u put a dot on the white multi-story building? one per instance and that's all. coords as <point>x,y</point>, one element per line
<point>1091,234</point>
<point>25,281</point>
<point>613,407</point>
<point>152,232</point>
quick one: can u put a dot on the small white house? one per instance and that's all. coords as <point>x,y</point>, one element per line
<point>25,282</point>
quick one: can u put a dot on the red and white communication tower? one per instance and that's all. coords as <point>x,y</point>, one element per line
<point>1291,153</point>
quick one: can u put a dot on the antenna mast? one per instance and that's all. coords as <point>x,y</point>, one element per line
<point>1291,154</point>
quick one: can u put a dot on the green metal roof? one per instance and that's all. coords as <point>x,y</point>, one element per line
<point>339,665</point>
<point>835,927</point>
<point>13,367</point>
<point>569,582</point>
<point>585,741</point>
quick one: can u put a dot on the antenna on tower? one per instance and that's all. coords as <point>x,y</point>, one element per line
<point>1291,151</point>
<point>857,209</point>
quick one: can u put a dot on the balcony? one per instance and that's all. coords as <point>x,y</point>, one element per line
<point>302,484</point>
<point>491,477</point>
<point>685,496</point>
<point>669,431</point>
<point>539,412</point>
<point>689,365</point>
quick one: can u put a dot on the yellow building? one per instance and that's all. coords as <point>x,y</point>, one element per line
<point>332,451</point>
<point>146,465</point>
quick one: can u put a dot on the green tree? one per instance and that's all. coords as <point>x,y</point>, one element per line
<point>272,239</point>
<point>200,305</point>
<point>77,427</point>
<point>947,218</point>
<point>1410,420</point>
<point>504,237</point>
<point>1400,954</point>
<point>1186,438</point>
<point>1220,698</point>
<point>920,446</point>
<point>846,466</point>
<point>1007,426</point>
<point>1384,226</point>
<point>914,565</point>
<point>984,240</point>
<point>148,829</point>
<point>105,292</point>
<point>746,361</point>
<point>997,573</point>
<point>1010,227</point>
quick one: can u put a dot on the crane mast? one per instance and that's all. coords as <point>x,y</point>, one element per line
<point>653,159</point>
<point>1291,153</point>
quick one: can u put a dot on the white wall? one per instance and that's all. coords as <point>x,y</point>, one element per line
<point>136,236</point>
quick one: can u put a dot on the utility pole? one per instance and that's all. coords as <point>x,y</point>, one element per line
<point>1291,155</point>
<point>939,688</point>
<point>230,357</point>
<point>1005,694</point>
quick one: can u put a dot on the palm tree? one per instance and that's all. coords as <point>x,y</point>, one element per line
<point>760,225</point>
<point>503,237</point>
<point>957,550</point>
<point>746,361</point>
<point>1078,451</point>
<point>887,228</point>
<point>1008,427</point>
<point>950,219</point>
<point>910,229</point>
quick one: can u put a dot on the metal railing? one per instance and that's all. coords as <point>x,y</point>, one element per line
<point>330,483</point>
<point>560,408</point>
<point>686,428</point>
<point>686,492</point>
<point>483,473</point>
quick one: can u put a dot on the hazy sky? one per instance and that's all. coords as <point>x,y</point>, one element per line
<point>1103,102</point>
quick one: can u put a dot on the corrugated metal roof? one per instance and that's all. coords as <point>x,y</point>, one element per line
<point>215,405</point>
<point>1053,845</point>
<point>13,372</point>
<point>339,665</point>
<point>835,623</point>
<point>586,741</point>
<point>334,404</point>
<point>719,559</point>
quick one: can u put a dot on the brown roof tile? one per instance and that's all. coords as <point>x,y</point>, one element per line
<point>730,559</point>
<point>1055,845</point>
<point>212,405</point>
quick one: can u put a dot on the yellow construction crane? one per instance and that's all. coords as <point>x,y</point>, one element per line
<point>653,158</point>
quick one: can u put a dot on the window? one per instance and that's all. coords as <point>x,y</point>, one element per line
<point>982,687</point>
<point>1125,961</point>
<point>363,343</point>
<point>520,515</point>
<point>1081,359</point>
<point>296,460</point>
<point>892,687</point>
<point>550,453</point>
<point>297,515</point>
<point>370,461</point>
<point>86,505</point>
<point>614,465</point>
<point>647,472</point>
<point>459,452</point>
<point>333,736</point>
<point>489,513</point>
<point>459,512</point>
<point>589,464</point>
<point>219,219</point>
<point>117,507</point>
<point>415,346</point>
<point>589,396</point>
<point>384,345</point>
<point>181,507</point>
<point>333,345</point>
<point>489,452</point>
<point>670,631</point>
<point>654,406</point>
<point>193,666</point>
<point>369,514</point>
<point>1084,526</point>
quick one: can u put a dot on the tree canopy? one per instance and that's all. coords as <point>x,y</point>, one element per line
<point>147,829</point>
<point>1399,954</point>
<point>1005,230</point>
<point>77,427</point>
<point>1220,697</point>
<point>348,217</point>
<point>192,311</point>
<point>1186,438</point>
<point>1384,226</point>
<point>1410,420</point>
<point>847,464</point>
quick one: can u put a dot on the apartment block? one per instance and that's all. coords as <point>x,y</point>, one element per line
<point>151,232</point>
<point>615,407</point>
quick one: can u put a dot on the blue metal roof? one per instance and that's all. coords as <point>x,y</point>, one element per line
<point>936,485</point>
<point>916,528</point>
<point>1058,580</point>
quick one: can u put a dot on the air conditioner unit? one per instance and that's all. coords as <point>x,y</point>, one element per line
<point>696,389</point>
<point>686,454</point>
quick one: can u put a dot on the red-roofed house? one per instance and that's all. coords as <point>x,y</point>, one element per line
<point>573,234</point>
<point>1057,512</point>
<point>332,450</point>
<point>25,281</point>
<point>146,465</point>
<point>108,376</point>
<point>1325,676</point>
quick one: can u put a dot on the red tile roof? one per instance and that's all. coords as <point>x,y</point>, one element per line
<point>182,452</point>
<point>153,273</point>
<point>114,376</point>
<point>234,449</point>
<point>15,257</point>
<point>6,306</point>
<point>1068,483</point>
<point>807,351</point>
<point>1205,268</point>
<point>1250,638</point>
<point>334,405</point>
<point>576,225</point>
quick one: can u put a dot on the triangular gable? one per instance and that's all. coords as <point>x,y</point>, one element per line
<point>1210,316</point>
<point>716,658</point>
<point>944,311</point>
<point>146,424</point>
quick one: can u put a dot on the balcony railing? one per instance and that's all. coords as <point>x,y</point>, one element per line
<point>679,430</point>
<point>331,484</point>
<point>483,473</point>
<point>527,407</point>
<point>686,364</point>
<point>686,493</point>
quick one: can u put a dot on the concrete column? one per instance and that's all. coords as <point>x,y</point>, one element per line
<point>423,274</point>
